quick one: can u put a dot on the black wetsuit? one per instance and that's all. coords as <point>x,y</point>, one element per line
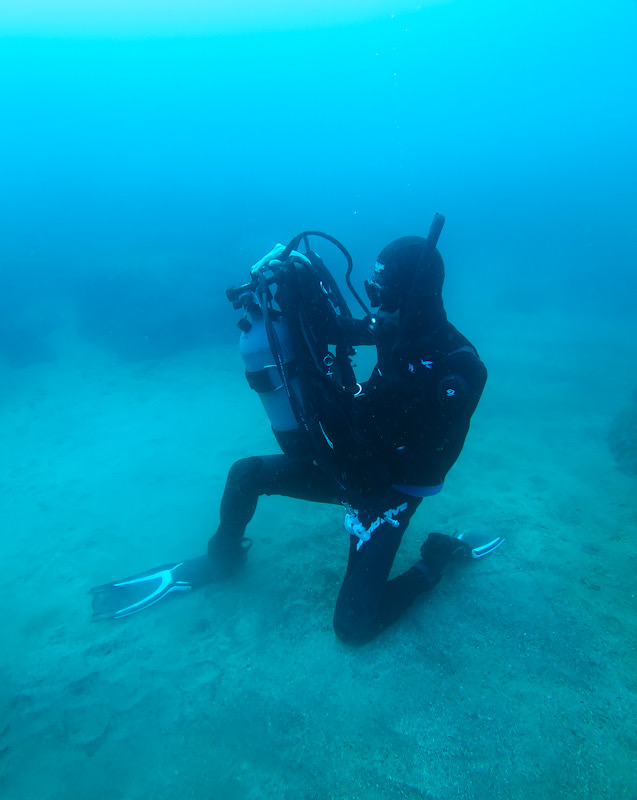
<point>414,414</point>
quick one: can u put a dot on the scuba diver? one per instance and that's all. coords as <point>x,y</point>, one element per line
<point>378,448</point>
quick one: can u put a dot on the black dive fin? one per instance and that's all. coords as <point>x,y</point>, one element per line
<point>133,594</point>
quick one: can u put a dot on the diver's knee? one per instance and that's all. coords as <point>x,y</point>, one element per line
<point>352,629</point>
<point>244,470</point>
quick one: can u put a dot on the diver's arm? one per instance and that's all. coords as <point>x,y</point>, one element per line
<point>461,387</point>
<point>356,331</point>
<point>434,448</point>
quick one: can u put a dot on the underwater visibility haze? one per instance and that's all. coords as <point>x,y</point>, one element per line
<point>148,157</point>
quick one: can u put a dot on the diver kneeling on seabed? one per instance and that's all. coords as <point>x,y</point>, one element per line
<point>378,448</point>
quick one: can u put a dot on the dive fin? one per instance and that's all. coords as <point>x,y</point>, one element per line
<point>480,543</point>
<point>133,594</point>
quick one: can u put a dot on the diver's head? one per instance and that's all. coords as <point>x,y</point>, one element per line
<point>396,266</point>
<point>396,286</point>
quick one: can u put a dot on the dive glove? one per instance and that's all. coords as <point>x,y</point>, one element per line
<point>272,259</point>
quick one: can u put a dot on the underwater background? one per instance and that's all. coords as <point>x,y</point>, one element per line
<point>148,157</point>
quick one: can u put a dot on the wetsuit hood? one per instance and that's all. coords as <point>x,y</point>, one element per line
<point>404,280</point>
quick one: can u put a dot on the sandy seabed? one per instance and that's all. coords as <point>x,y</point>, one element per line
<point>515,678</point>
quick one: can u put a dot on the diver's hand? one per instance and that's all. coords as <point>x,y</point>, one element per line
<point>272,259</point>
<point>267,258</point>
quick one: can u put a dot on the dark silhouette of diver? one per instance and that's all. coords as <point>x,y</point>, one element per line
<point>406,427</point>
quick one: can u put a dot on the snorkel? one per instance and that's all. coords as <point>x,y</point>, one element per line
<point>423,310</point>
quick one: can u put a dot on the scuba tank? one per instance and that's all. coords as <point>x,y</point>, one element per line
<point>291,306</point>
<point>264,376</point>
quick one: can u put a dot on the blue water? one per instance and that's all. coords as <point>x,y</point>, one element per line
<point>148,157</point>
<point>517,122</point>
